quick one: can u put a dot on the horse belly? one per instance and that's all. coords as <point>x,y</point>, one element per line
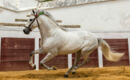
<point>67,49</point>
<point>65,52</point>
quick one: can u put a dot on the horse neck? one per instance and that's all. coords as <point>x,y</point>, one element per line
<point>47,27</point>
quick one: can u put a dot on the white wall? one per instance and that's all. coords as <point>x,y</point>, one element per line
<point>104,16</point>
<point>10,4</point>
<point>9,16</point>
<point>27,4</point>
<point>19,5</point>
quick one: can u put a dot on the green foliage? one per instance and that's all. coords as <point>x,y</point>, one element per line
<point>41,13</point>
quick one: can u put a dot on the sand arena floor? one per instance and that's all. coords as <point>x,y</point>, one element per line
<point>107,73</point>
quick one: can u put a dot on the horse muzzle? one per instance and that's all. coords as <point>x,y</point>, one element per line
<point>26,30</point>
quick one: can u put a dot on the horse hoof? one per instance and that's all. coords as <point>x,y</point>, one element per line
<point>34,67</point>
<point>66,76</point>
<point>73,73</point>
<point>54,68</point>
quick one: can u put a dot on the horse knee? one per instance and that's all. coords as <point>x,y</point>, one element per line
<point>41,63</point>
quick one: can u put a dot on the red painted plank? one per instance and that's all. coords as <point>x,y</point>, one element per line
<point>92,60</point>
<point>59,61</point>
<point>15,53</point>
<point>119,45</point>
<point>14,66</point>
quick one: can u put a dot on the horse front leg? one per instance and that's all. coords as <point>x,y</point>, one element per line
<point>38,51</point>
<point>48,57</point>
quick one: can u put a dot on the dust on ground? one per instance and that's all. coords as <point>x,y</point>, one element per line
<point>106,73</point>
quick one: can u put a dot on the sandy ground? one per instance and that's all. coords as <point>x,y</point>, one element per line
<point>107,73</point>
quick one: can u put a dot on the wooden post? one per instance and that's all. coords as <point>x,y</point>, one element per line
<point>36,56</point>
<point>70,26</point>
<point>129,49</point>
<point>59,21</point>
<point>21,20</point>
<point>25,20</point>
<point>69,60</point>
<point>0,48</point>
<point>100,58</point>
<point>22,25</point>
<point>11,24</point>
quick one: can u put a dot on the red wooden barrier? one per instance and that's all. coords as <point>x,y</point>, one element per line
<point>119,45</point>
<point>15,53</point>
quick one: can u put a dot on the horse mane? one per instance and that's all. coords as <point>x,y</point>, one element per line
<point>46,13</point>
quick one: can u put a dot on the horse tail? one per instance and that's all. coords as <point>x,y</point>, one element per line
<point>108,53</point>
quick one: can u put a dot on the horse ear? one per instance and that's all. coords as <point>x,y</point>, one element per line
<point>33,11</point>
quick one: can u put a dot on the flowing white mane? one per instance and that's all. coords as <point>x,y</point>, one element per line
<point>44,12</point>
<point>51,17</point>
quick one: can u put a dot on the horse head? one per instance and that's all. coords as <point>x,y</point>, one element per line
<point>32,22</point>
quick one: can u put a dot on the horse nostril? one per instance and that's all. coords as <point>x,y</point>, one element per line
<point>26,31</point>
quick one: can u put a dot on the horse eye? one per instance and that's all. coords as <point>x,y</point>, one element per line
<point>31,19</point>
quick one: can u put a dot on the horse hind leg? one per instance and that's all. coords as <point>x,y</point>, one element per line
<point>76,61</point>
<point>85,53</point>
<point>77,58</point>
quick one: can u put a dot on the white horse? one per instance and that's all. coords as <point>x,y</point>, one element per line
<point>56,41</point>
